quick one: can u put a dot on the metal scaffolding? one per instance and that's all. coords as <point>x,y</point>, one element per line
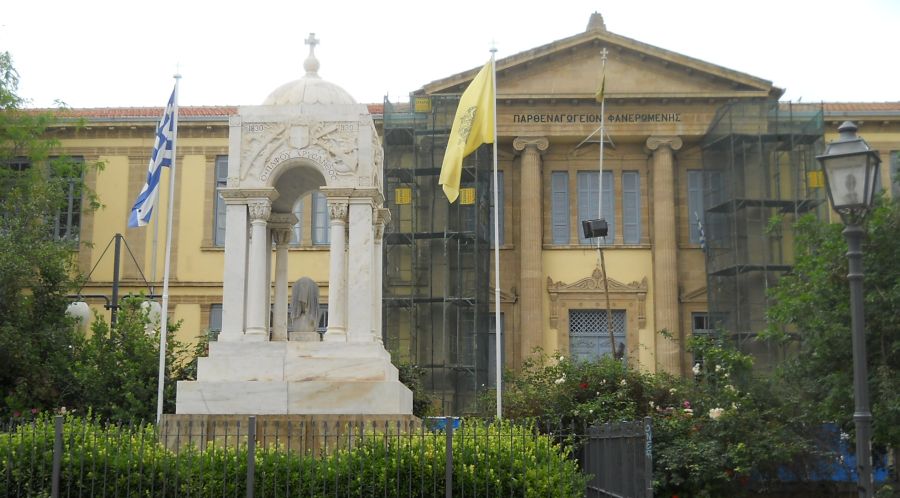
<point>760,175</point>
<point>437,255</point>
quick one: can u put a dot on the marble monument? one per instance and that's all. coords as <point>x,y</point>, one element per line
<point>308,135</point>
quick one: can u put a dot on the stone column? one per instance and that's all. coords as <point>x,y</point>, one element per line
<point>234,280</point>
<point>665,255</point>
<point>281,232</point>
<point>530,244</point>
<point>337,276</point>
<point>382,219</point>
<point>360,285</point>
<point>257,276</point>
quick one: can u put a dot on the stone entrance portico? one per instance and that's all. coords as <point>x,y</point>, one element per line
<point>309,135</point>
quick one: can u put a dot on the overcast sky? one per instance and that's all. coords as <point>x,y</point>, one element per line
<point>98,53</point>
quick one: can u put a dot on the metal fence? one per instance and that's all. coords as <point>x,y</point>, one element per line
<point>619,459</point>
<point>248,457</point>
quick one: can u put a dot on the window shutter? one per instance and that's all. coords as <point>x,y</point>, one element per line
<point>559,186</point>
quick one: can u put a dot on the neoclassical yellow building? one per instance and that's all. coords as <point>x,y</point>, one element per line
<point>688,145</point>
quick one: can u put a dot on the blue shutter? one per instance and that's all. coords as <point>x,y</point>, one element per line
<point>631,207</point>
<point>320,220</point>
<point>609,205</point>
<point>588,197</point>
<point>219,208</point>
<point>559,205</point>
<point>695,203</point>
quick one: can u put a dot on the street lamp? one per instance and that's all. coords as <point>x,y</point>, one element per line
<point>851,173</point>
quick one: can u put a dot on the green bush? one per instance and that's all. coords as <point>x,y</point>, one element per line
<point>711,432</point>
<point>499,459</point>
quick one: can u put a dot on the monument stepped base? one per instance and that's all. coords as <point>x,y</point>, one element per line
<point>294,378</point>
<point>306,434</point>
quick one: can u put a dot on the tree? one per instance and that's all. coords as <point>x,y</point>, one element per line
<point>812,309</point>
<point>116,368</point>
<point>36,267</point>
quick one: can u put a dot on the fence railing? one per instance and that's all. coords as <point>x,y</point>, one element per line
<point>619,459</point>
<point>258,457</point>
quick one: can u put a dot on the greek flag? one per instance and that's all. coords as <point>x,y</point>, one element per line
<point>161,157</point>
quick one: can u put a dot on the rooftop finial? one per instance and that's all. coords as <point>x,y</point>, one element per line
<point>596,23</point>
<point>311,64</point>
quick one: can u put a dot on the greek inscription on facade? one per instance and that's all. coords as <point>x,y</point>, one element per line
<point>315,156</point>
<point>635,117</point>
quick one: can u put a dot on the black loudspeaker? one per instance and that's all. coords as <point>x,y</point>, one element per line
<point>594,228</point>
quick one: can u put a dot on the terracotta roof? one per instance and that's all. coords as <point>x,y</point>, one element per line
<point>832,108</point>
<point>153,113</point>
<point>862,106</point>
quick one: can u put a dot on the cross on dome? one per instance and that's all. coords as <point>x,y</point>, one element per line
<point>311,64</point>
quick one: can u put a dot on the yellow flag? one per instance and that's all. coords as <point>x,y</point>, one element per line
<point>473,125</point>
<point>602,90</point>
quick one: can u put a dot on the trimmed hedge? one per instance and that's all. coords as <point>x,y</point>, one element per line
<point>489,459</point>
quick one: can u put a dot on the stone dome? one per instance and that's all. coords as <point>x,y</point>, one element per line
<point>310,89</point>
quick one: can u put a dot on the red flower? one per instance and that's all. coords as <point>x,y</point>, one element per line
<point>583,385</point>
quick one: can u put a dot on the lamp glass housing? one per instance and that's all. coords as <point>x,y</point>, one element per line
<point>851,180</point>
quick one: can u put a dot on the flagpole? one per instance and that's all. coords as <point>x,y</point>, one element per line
<point>498,331</point>
<point>602,138</point>
<point>163,326</point>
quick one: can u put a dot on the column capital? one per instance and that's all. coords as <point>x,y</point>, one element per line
<point>382,218</point>
<point>282,220</point>
<point>281,236</point>
<point>282,225</point>
<point>540,143</point>
<point>672,142</point>
<point>260,209</point>
<point>337,210</point>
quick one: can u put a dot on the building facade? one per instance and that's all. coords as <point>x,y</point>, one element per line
<point>655,190</point>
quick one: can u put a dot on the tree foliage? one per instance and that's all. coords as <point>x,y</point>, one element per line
<point>812,310</point>
<point>36,270</point>
<point>46,362</point>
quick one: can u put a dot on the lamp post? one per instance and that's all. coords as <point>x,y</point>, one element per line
<point>851,172</point>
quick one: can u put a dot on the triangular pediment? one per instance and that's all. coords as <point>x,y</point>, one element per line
<point>571,68</point>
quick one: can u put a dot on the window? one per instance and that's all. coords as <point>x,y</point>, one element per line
<point>895,174</point>
<point>65,174</point>
<point>559,206</point>
<point>321,222</point>
<point>67,222</point>
<point>219,207</point>
<point>588,201</point>
<point>494,238</point>
<point>588,335</point>
<point>492,349</point>
<point>695,203</point>
<point>297,231</point>
<point>215,321</point>
<point>700,324</point>
<point>631,207</point>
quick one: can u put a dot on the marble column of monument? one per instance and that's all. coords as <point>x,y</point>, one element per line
<point>361,246</point>
<point>665,254</point>
<point>530,243</point>
<point>234,280</point>
<point>257,274</point>
<point>382,219</point>
<point>337,276</point>
<point>281,225</point>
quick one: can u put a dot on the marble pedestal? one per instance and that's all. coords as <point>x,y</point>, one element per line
<point>294,378</point>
